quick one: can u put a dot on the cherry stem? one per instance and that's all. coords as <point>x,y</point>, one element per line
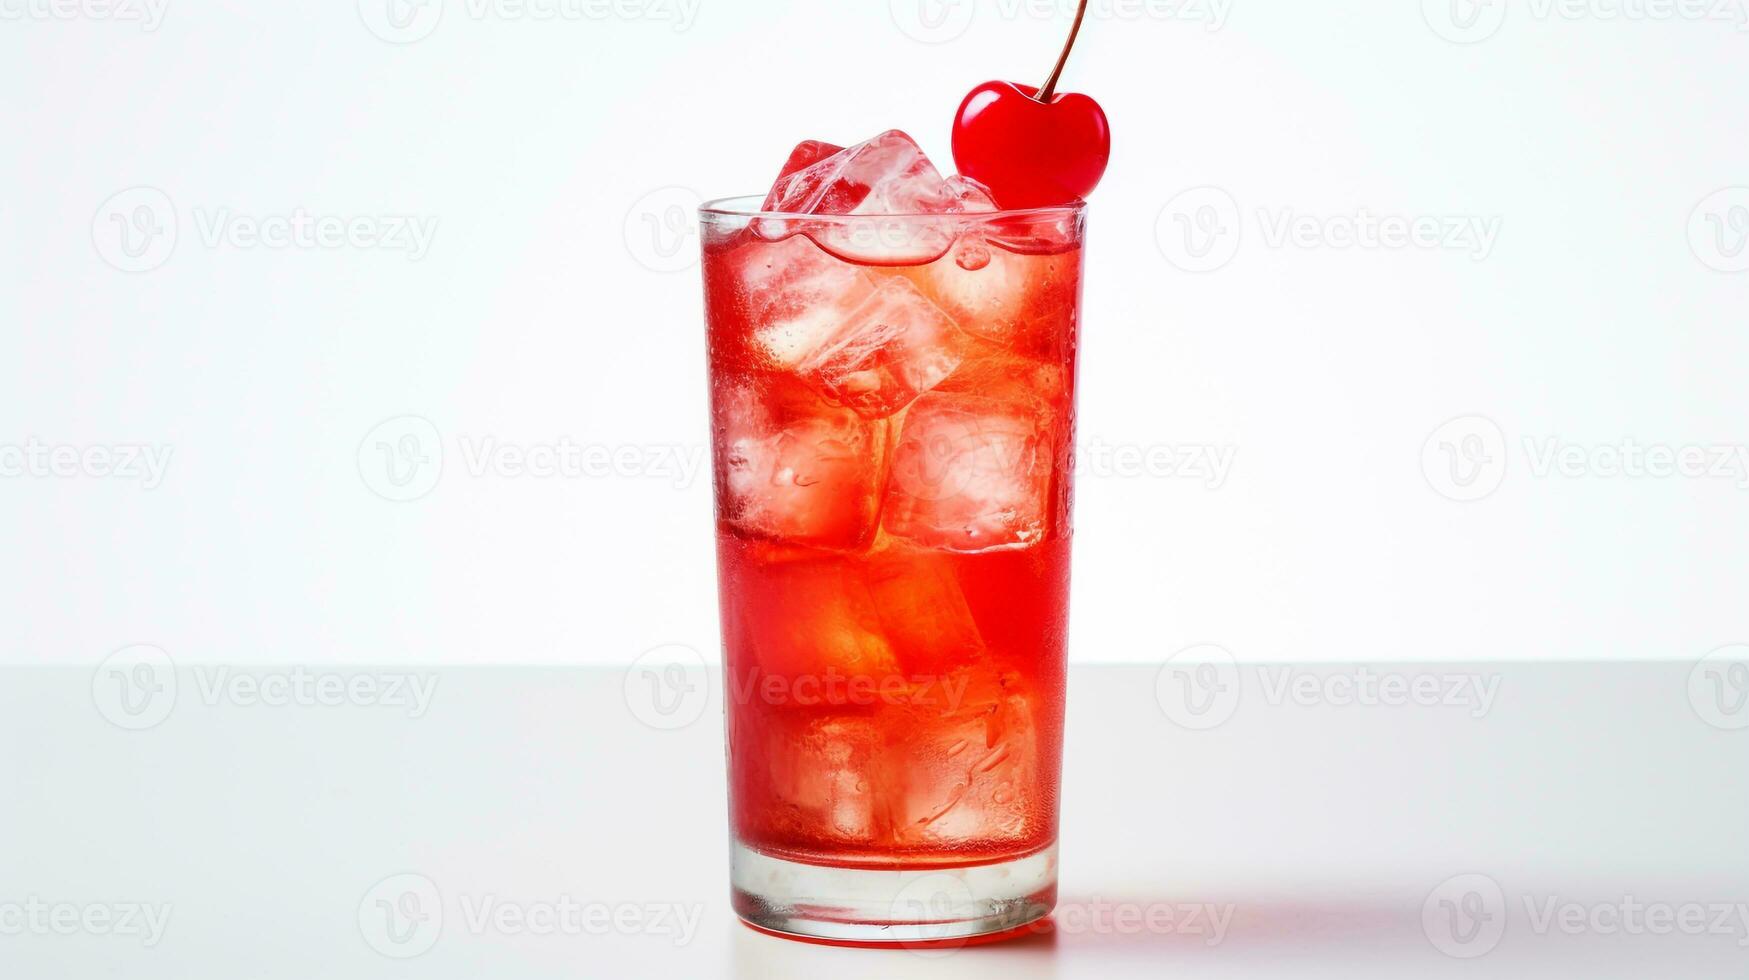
<point>1050,86</point>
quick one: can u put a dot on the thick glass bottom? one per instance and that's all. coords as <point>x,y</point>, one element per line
<point>878,907</point>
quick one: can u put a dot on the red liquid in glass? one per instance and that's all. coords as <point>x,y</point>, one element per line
<point>893,454</point>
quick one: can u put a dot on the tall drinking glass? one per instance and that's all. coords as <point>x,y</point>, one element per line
<point>893,424</point>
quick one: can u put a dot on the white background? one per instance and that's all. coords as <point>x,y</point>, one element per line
<point>558,301</point>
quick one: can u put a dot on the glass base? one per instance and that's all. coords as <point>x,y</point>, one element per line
<point>881,907</point>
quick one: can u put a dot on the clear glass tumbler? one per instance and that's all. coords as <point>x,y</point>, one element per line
<point>893,409</point>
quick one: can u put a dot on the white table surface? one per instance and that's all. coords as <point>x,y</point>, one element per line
<point>1316,832</point>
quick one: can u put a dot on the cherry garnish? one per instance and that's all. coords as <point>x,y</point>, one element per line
<point>1033,147</point>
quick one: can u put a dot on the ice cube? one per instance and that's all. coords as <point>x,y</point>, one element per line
<point>806,154</point>
<point>796,468</point>
<point>816,770</point>
<point>969,196</point>
<point>885,175</point>
<point>923,614</point>
<point>969,770</point>
<point>797,296</point>
<point>871,184</point>
<point>1016,300</point>
<point>971,473</point>
<point>886,352</point>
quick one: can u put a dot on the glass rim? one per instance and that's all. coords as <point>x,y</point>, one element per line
<point>736,207</point>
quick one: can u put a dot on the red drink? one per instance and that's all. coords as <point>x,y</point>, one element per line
<point>893,405</point>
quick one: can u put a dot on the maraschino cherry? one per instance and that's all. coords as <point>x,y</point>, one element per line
<point>1033,147</point>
